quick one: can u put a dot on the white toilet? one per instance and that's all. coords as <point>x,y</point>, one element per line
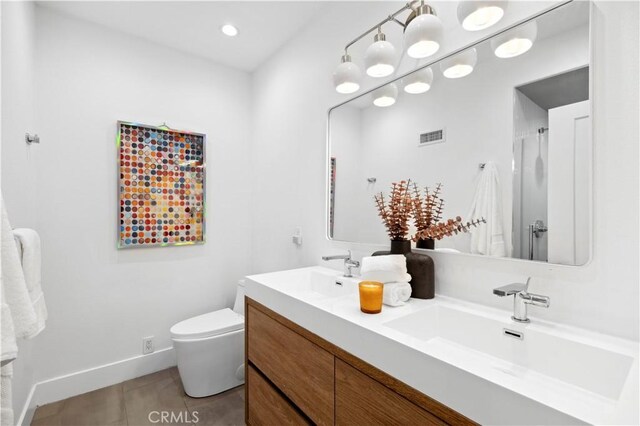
<point>210,349</point>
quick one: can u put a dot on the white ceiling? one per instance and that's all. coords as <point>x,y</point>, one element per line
<point>194,26</point>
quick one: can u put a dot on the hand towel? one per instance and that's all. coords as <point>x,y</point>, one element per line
<point>395,294</point>
<point>15,292</point>
<point>385,269</point>
<point>488,238</point>
<point>29,246</point>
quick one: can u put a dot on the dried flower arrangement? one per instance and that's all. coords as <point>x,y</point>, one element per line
<point>426,211</point>
<point>427,216</point>
<point>396,213</point>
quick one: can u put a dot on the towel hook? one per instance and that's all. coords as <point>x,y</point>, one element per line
<point>31,138</point>
<point>481,166</point>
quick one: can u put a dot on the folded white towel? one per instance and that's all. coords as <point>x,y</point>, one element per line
<point>29,246</point>
<point>385,269</point>
<point>395,294</point>
<point>15,292</point>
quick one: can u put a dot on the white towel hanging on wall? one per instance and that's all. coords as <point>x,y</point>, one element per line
<point>15,286</point>
<point>488,238</point>
<point>28,242</point>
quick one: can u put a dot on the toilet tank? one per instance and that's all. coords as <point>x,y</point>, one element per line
<point>238,306</point>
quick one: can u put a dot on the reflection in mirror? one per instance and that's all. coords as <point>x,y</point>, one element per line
<point>504,126</point>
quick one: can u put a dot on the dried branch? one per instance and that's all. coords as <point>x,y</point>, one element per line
<point>447,229</point>
<point>427,215</point>
<point>396,212</point>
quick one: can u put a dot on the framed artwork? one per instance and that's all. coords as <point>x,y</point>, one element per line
<point>161,186</point>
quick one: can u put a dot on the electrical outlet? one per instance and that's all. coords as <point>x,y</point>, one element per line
<point>147,345</point>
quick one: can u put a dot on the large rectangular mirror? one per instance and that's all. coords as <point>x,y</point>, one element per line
<point>510,142</point>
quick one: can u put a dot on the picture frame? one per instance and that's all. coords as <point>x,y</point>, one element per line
<point>161,186</point>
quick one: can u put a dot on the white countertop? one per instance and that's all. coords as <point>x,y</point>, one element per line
<point>484,387</point>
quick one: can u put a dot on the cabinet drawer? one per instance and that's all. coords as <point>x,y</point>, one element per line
<point>361,400</point>
<point>303,371</point>
<point>266,406</point>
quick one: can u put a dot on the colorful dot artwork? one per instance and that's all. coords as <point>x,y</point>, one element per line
<point>162,186</point>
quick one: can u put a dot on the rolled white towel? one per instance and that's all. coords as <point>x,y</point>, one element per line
<point>385,269</point>
<point>395,294</point>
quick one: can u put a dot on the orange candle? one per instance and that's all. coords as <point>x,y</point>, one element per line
<point>370,296</point>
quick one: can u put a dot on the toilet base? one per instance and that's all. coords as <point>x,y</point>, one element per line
<point>209,366</point>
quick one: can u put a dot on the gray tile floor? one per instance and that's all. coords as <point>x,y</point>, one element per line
<point>131,402</point>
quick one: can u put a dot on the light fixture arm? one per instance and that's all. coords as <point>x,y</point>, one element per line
<point>390,18</point>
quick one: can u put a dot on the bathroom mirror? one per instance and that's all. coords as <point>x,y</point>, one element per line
<point>486,114</point>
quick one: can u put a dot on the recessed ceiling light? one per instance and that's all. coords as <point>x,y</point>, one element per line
<point>229,30</point>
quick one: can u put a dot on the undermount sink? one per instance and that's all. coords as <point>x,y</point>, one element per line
<point>331,284</point>
<point>536,351</point>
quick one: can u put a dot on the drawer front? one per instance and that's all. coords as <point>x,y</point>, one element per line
<point>303,371</point>
<point>266,406</point>
<point>361,400</point>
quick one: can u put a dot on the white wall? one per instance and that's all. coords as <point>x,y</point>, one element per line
<point>18,111</point>
<point>19,171</point>
<point>293,92</point>
<point>102,301</point>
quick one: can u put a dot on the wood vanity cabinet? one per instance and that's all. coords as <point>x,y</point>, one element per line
<point>295,377</point>
<point>300,369</point>
<point>268,406</point>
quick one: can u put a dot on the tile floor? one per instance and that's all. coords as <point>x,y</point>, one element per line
<point>129,403</point>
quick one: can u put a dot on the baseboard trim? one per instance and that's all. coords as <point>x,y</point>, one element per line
<point>27,411</point>
<point>84,381</point>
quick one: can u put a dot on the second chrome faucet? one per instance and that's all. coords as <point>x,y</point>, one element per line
<point>521,299</point>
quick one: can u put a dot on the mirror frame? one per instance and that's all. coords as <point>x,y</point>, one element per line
<point>437,60</point>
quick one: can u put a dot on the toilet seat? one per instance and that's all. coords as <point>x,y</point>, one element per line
<point>208,325</point>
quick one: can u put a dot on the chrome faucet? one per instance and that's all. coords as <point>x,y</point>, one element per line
<point>348,262</point>
<point>521,299</point>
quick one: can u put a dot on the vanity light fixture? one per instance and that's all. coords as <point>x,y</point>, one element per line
<point>459,65</point>
<point>346,77</point>
<point>379,57</point>
<point>229,30</point>
<point>476,15</point>
<point>418,82</point>
<point>423,35</point>
<point>385,96</point>
<point>515,42</point>
<point>423,32</point>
